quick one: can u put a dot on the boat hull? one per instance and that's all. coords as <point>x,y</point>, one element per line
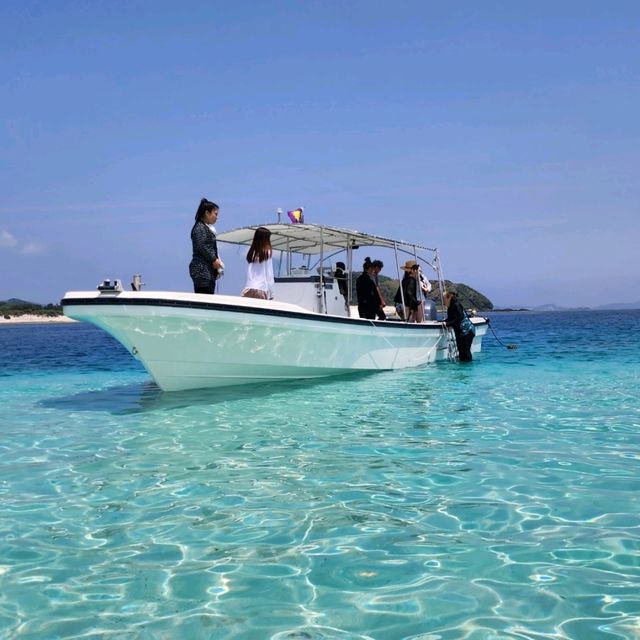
<point>190,341</point>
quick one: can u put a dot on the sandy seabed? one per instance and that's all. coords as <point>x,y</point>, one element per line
<point>34,319</point>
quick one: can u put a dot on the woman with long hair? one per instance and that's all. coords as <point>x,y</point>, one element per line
<point>260,281</point>
<point>205,265</point>
<point>462,327</point>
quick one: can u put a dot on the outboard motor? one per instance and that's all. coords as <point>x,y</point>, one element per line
<point>430,309</point>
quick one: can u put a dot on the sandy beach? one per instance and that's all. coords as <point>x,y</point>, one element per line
<point>34,319</point>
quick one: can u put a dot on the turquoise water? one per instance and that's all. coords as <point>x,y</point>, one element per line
<point>495,500</point>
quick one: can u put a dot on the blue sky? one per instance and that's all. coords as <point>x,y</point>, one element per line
<point>506,134</point>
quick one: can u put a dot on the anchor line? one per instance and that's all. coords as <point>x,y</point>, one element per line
<point>511,346</point>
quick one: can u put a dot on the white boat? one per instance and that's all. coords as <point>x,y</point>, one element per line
<point>191,340</point>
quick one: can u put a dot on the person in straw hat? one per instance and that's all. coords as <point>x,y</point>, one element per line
<point>411,291</point>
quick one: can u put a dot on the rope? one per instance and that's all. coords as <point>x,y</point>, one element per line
<point>372,322</point>
<point>510,346</point>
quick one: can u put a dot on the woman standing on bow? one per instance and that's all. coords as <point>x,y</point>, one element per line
<point>205,265</point>
<point>260,280</point>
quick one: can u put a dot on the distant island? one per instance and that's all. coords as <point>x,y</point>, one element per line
<point>14,307</point>
<point>614,306</point>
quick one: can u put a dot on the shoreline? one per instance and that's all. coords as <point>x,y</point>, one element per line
<point>30,318</point>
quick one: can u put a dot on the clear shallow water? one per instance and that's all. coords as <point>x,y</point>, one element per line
<point>496,500</point>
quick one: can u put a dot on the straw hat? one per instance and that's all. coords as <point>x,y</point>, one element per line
<point>409,264</point>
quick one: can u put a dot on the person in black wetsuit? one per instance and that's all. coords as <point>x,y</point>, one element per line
<point>456,317</point>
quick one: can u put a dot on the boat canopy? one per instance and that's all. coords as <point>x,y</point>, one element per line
<point>315,239</point>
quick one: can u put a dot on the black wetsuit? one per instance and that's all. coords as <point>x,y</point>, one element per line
<point>455,315</point>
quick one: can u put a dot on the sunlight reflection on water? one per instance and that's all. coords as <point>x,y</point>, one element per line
<point>498,500</point>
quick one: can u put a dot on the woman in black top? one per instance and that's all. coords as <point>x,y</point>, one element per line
<point>205,263</point>
<point>367,292</point>
<point>411,291</point>
<point>455,318</point>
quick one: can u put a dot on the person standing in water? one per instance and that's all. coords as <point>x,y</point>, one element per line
<point>462,327</point>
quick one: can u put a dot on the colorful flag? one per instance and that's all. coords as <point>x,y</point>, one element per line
<point>296,216</point>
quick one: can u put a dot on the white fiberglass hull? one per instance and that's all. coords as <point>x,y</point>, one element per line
<point>191,341</point>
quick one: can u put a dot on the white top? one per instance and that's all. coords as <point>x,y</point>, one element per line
<point>260,276</point>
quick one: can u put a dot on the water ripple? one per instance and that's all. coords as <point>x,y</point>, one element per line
<point>492,501</point>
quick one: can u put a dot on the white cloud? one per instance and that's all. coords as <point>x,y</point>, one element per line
<point>7,240</point>
<point>32,248</point>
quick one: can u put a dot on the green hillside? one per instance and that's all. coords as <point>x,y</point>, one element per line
<point>469,297</point>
